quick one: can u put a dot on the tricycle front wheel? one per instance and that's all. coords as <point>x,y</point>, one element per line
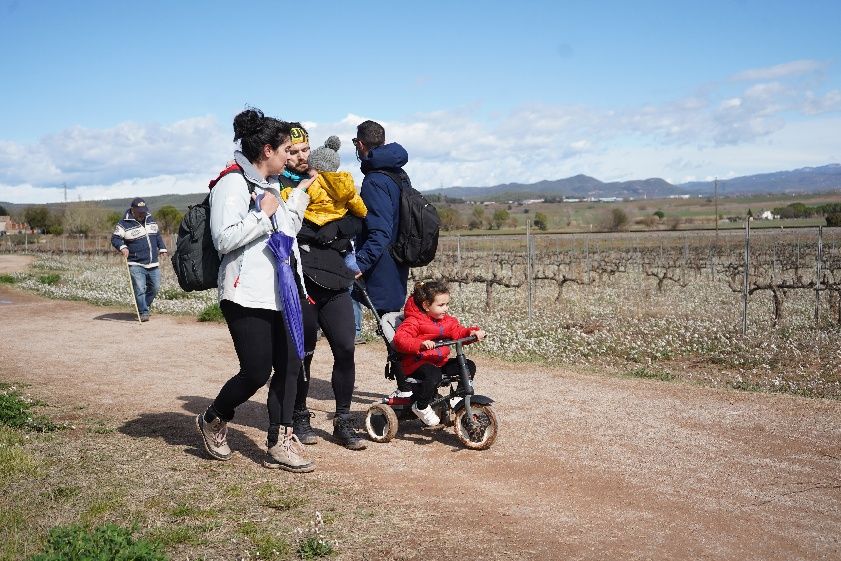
<point>478,431</point>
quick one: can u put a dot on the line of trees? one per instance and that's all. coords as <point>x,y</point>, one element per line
<point>831,211</point>
<point>88,219</point>
<point>452,220</point>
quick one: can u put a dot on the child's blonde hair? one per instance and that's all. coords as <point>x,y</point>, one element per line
<point>426,291</point>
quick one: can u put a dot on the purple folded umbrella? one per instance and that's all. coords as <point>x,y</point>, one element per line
<point>281,246</point>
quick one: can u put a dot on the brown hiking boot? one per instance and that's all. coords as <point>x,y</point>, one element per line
<point>287,454</point>
<point>215,437</point>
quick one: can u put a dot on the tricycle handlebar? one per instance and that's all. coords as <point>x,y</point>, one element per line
<point>450,342</point>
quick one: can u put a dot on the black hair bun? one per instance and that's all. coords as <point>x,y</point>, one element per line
<point>247,123</point>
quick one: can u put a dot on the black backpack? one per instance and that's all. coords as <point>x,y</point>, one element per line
<point>417,231</point>
<point>195,259</point>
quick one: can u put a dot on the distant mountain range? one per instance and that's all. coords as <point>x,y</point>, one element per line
<point>803,180</point>
<point>799,181</point>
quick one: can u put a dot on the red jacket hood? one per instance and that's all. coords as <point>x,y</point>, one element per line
<point>411,309</point>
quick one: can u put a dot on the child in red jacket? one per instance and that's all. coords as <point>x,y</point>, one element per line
<point>426,320</point>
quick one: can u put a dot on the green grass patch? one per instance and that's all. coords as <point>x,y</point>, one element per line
<point>168,536</point>
<point>16,411</point>
<point>651,374</point>
<point>14,527</point>
<point>104,543</point>
<point>172,294</point>
<point>49,279</point>
<point>212,313</point>
<point>234,491</point>
<point>61,493</point>
<point>187,510</point>
<point>8,279</point>
<point>747,386</point>
<point>97,509</point>
<point>312,543</point>
<point>280,499</point>
<point>267,546</point>
<point>314,547</point>
<point>15,461</point>
<point>99,427</point>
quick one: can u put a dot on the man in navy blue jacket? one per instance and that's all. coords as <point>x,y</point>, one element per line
<point>384,277</point>
<point>136,236</point>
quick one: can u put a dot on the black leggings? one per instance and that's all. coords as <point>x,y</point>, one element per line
<point>262,343</point>
<point>333,311</point>
<point>430,377</point>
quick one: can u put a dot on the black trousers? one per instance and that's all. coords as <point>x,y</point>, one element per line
<point>333,311</point>
<point>430,377</point>
<point>262,343</point>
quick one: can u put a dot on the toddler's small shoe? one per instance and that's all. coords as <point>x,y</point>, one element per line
<point>427,415</point>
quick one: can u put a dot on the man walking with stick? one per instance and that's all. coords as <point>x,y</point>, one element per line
<point>137,237</point>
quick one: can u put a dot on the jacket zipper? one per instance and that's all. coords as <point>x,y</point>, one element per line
<point>148,241</point>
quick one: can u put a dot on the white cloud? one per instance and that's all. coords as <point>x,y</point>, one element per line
<point>742,130</point>
<point>785,70</point>
<point>817,104</point>
<point>80,156</point>
<point>144,186</point>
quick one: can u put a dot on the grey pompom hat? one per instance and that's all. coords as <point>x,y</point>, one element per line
<point>326,158</point>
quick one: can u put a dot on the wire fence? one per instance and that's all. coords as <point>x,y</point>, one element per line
<point>45,243</point>
<point>778,262</point>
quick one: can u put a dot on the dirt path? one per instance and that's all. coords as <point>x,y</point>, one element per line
<point>585,467</point>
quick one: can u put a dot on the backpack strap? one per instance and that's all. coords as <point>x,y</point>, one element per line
<point>233,168</point>
<point>396,174</point>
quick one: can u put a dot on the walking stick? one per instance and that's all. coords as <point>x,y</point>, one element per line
<point>131,287</point>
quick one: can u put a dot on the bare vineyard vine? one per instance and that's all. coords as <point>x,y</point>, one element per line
<point>779,263</point>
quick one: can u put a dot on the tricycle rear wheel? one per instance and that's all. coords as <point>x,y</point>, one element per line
<point>381,422</point>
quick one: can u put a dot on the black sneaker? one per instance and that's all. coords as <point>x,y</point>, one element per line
<point>301,426</point>
<point>345,433</point>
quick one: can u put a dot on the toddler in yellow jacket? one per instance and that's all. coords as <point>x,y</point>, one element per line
<point>332,194</point>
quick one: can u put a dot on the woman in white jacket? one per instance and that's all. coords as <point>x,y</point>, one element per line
<point>245,208</point>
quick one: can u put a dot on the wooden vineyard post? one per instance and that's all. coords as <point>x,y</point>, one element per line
<point>818,272</point>
<point>458,260</point>
<point>528,267</point>
<point>745,284</point>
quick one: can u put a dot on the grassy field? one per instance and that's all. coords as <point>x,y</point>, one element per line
<point>680,214</point>
<point>80,490</point>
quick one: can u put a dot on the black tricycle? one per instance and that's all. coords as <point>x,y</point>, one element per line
<point>470,414</point>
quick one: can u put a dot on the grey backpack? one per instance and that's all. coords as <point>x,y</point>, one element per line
<point>195,259</point>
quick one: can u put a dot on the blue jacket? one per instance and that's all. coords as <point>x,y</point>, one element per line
<point>143,241</point>
<point>385,279</point>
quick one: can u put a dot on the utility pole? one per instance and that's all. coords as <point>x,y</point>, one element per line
<point>715,197</point>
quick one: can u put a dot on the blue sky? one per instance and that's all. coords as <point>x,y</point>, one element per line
<point>124,99</point>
